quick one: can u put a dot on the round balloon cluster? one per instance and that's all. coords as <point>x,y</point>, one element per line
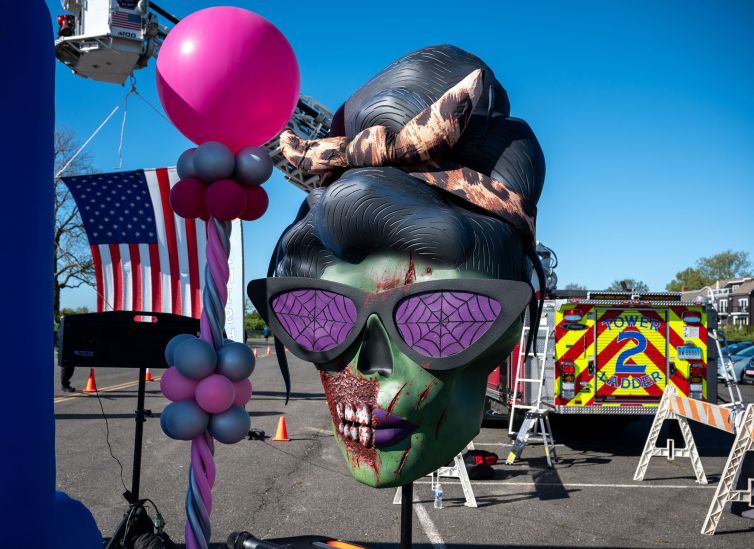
<point>215,182</point>
<point>208,389</point>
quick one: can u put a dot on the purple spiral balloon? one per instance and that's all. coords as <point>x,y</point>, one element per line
<point>202,470</point>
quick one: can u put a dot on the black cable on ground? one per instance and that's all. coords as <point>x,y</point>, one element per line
<point>107,440</point>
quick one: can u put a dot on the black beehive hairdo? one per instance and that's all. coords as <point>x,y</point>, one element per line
<point>369,210</point>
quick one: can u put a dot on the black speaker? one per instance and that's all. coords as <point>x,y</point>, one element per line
<point>120,339</point>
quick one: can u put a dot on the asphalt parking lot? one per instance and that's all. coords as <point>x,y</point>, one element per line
<point>276,489</point>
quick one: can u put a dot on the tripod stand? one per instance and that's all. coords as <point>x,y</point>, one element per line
<point>132,496</point>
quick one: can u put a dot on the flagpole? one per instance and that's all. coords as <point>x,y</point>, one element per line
<point>214,298</point>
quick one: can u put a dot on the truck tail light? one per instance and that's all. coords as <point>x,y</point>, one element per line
<point>574,315</point>
<point>567,368</point>
<point>691,317</point>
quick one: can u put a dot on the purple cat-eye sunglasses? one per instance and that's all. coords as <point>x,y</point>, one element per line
<point>441,324</point>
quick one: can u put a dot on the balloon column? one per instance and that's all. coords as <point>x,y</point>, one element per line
<point>229,81</point>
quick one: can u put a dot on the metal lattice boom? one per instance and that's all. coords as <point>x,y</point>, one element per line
<point>310,120</point>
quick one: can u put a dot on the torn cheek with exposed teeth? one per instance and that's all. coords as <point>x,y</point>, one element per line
<point>355,422</point>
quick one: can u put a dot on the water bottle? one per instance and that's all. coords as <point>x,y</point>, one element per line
<point>438,496</point>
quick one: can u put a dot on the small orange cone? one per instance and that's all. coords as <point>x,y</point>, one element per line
<point>282,431</point>
<point>255,353</point>
<point>91,385</point>
<point>268,351</point>
<point>149,376</point>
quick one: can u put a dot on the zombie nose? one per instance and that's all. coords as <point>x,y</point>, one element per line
<point>375,356</point>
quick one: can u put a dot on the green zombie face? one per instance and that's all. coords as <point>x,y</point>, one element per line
<point>394,419</point>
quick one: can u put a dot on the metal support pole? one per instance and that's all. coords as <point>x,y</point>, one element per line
<point>140,418</point>
<point>407,501</point>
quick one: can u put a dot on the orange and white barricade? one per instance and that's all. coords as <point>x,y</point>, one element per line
<point>732,420</point>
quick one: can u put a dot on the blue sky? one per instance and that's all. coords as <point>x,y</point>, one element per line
<point>644,110</point>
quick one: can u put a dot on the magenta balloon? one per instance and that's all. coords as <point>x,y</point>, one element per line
<point>225,200</point>
<point>177,387</point>
<point>256,203</point>
<point>227,74</point>
<point>243,392</point>
<point>187,198</point>
<point>215,393</point>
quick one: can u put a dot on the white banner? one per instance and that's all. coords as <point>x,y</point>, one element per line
<point>234,309</point>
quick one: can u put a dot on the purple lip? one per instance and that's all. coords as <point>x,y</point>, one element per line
<point>389,428</point>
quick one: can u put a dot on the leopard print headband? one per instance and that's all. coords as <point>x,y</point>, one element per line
<point>420,149</point>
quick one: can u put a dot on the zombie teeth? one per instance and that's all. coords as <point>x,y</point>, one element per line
<point>363,414</point>
<point>365,436</point>
<point>349,414</point>
<point>341,427</point>
<point>339,410</point>
<point>354,432</point>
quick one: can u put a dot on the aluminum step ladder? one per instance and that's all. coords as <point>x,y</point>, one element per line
<point>530,371</point>
<point>532,420</point>
<point>729,374</point>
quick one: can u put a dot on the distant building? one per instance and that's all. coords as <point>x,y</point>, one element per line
<point>733,300</point>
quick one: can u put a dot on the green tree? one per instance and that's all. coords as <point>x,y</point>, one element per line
<point>727,264</point>
<point>574,286</point>
<point>707,270</point>
<point>631,284</point>
<point>252,319</point>
<point>689,279</point>
<point>72,259</point>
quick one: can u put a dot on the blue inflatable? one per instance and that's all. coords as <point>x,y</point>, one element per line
<point>27,462</point>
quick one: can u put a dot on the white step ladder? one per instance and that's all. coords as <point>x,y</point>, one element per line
<point>455,470</point>
<point>729,375</point>
<point>530,370</point>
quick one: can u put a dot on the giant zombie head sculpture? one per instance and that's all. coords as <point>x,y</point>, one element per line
<point>404,278</point>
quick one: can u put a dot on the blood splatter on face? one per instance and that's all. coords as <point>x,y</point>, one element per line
<point>372,409</point>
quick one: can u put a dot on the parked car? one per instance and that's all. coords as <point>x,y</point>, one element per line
<point>735,347</point>
<point>748,375</point>
<point>740,361</point>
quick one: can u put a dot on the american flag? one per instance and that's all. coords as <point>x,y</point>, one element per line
<point>145,257</point>
<point>124,20</point>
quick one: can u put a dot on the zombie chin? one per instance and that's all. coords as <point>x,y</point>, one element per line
<point>404,278</point>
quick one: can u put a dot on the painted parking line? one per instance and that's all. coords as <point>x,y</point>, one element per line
<point>111,388</point>
<point>126,385</point>
<point>430,530</point>
<point>575,484</point>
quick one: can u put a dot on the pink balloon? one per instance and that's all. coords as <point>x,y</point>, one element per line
<point>243,392</point>
<point>215,393</point>
<point>187,198</point>
<point>177,387</point>
<point>256,202</point>
<point>227,74</point>
<point>225,200</point>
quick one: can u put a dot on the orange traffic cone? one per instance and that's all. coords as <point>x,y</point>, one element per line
<point>149,376</point>
<point>255,353</point>
<point>282,431</point>
<point>91,385</point>
<point>269,352</point>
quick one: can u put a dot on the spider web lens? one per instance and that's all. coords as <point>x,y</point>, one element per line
<point>318,320</point>
<point>444,323</point>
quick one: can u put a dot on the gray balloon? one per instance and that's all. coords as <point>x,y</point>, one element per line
<point>212,161</point>
<point>253,166</point>
<point>235,361</point>
<point>171,346</point>
<point>231,426</point>
<point>186,164</point>
<point>195,358</point>
<point>184,420</point>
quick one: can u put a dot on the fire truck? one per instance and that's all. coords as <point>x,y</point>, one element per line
<point>610,353</point>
